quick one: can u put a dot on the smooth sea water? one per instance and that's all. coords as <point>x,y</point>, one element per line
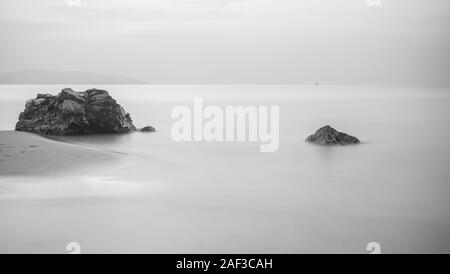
<point>162,196</point>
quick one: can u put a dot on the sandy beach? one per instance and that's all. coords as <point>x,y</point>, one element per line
<point>29,154</point>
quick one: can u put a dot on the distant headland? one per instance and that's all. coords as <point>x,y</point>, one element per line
<point>48,77</point>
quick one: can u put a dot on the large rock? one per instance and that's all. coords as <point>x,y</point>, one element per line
<point>329,136</point>
<point>72,113</point>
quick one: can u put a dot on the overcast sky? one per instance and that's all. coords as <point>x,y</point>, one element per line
<point>232,41</point>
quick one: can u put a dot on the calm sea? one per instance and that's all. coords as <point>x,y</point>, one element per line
<point>168,197</point>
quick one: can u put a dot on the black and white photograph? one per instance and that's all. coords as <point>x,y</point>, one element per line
<point>224,127</point>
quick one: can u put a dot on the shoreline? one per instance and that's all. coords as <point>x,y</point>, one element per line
<point>23,153</point>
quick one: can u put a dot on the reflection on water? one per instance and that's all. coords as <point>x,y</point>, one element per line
<point>164,196</point>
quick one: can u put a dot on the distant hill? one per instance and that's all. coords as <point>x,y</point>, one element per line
<point>47,77</point>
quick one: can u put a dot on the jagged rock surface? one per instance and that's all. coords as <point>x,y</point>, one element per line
<point>329,136</point>
<point>74,113</point>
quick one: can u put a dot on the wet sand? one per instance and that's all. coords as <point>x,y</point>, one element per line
<point>26,154</point>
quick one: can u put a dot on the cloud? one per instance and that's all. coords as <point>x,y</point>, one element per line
<point>73,3</point>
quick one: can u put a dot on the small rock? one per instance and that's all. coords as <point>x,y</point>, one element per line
<point>329,136</point>
<point>147,129</point>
